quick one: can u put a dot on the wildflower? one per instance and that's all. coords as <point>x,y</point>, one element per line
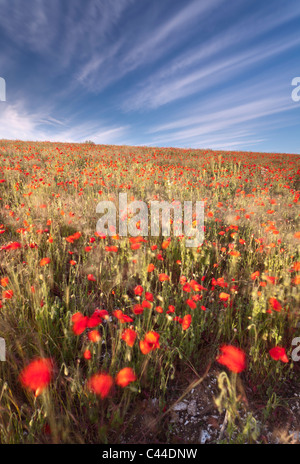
<point>149,296</point>
<point>100,384</point>
<point>232,357</point>
<point>138,309</point>
<point>7,294</point>
<point>4,281</point>
<point>111,248</point>
<point>186,322</point>
<point>163,277</point>
<point>94,336</point>
<point>196,286</point>
<point>191,304</point>
<point>79,323</point>
<point>146,304</point>
<point>37,375</point>
<point>95,319</point>
<point>171,309</point>
<point>125,376</point>
<point>73,237</point>
<point>182,280</point>
<point>45,261</point>
<point>121,316</point>
<point>87,354</point>
<point>186,287</point>
<point>150,342</point>
<point>159,309</point>
<point>138,290</point>
<point>165,244</point>
<point>224,296</point>
<point>11,246</point>
<point>278,353</point>
<point>276,306</point>
<point>129,337</point>
<point>254,275</point>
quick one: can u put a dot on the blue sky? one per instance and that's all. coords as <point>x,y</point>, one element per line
<point>196,74</point>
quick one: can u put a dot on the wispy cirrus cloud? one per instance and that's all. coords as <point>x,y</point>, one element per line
<point>17,123</point>
<point>179,80</point>
<point>224,122</point>
<point>168,73</point>
<point>148,45</point>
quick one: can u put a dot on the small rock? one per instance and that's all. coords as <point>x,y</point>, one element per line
<point>192,408</point>
<point>204,436</point>
<point>180,406</point>
<point>174,417</point>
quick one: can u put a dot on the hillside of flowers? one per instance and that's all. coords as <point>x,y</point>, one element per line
<point>95,325</point>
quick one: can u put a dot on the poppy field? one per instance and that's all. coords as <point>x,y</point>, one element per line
<point>97,327</point>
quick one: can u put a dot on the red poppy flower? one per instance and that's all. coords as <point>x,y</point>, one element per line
<point>95,319</point>
<point>4,281</point>
<point>149,296</point>
<point>94,336</point>
<point>12,246</point>
<point>254,275</point>
<point>125,376</point>
<point>163,277</point>
<point>182,280</point>
<point>87,354</point>
<point>191,304</point>
<point>232,357</point>
<point>150,342</point>
<point>171,309</point>
<point>278,353</point>
<point>45,261</point>
<point>73,237</point>
<point>129,336</point>
<point>111,248</point>
<point>138,309</point>
<point>100,384</point>
<point>224,296</point>
<point>37,375</point>
<point>187,287</point>
<point>121,316</point>
<point>146,304</point>
<point>165,244</point>
<point>138,290</point>
<point>79,323</point>
<point>7,294</point>
<point>196,286</point>
<point>276,306</point>
<point>186,321</point>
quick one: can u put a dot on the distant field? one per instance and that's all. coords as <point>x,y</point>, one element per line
<point>142,339</point>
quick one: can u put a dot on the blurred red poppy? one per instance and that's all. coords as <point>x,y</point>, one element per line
<point>100,384</point>
<point>232,357</point>
<point>129,336</point>
<point>37,375</point>
<point>125,377</point>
